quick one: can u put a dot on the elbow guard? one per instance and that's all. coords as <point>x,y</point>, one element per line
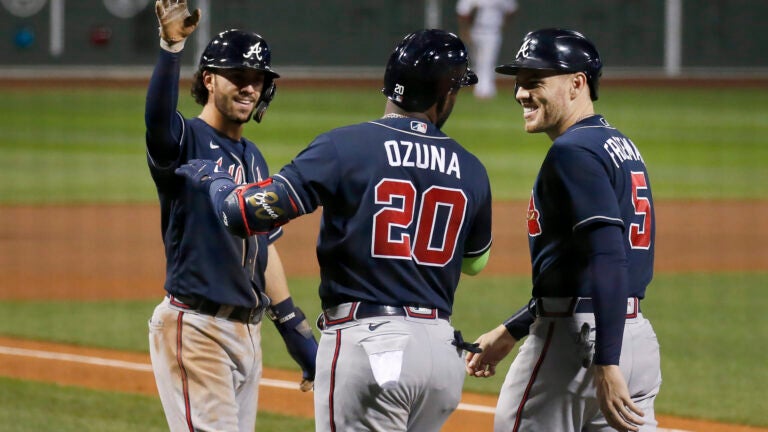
<point>257,208</point>
<point>473,266</point>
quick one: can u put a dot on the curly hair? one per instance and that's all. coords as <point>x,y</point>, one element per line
<point>199,91</point>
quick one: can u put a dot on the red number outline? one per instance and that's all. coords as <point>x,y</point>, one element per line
<point>382,245</point>
<point>640,235</point>
<point>404,216</point>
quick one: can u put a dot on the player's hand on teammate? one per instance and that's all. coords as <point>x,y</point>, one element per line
<point>175,21</point>
<point>613,395</point>
<point>495,345</point>
<point>201,173</point>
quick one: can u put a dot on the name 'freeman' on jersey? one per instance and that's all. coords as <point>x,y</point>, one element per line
<point>621,149</point>
<point>423,156</point>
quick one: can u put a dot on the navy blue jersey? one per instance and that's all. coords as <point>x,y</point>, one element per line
<point>592,174</point>
<point>403,204</point>
<point>202,257</point>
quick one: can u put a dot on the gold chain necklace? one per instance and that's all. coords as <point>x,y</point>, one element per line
<point>394,115</point>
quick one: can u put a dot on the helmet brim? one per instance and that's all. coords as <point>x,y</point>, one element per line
<point>269,72</point>
<point>470,78</point>
<point>514,67</point>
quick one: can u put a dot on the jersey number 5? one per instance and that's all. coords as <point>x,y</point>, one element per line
<point>640,234</point>
<point>438,222</point>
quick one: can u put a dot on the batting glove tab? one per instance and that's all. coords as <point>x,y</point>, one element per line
<point>297,335</point>
<point>462,345</point>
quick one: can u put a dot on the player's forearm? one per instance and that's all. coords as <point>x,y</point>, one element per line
<point>255,208</point>
<point>608,269</point>
<point>276,286</point>
<point>518,325</point>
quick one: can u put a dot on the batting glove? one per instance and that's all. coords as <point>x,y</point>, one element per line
<point>175,23</point>
<point>201,173</point>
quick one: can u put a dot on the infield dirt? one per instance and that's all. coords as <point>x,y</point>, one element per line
<point>116,252</point>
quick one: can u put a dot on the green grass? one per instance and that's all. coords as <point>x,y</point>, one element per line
<point>85,145</point>
<point>31,406</point>
<point>711,329</point>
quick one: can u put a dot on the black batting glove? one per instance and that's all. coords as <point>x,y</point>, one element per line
<point>201,173</point>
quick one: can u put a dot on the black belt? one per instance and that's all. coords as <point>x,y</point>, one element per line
<point>580,305</point>
<point>346,312</point>
<point>204,306</point>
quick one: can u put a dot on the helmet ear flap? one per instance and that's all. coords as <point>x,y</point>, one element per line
<point>270,88</point>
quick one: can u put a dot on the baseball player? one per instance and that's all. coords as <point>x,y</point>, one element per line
<point>591,360</point>
<point>481,22</point>
<point>205,334</point>
<point>406,209</point>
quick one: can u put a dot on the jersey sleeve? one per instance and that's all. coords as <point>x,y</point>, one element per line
<point>583,179</point>
<point>607,267</point>
<point>163,123</point>
<point>274,235</point>
<point>313,175</point>
<point>262,166</point>
<point>480,238</point>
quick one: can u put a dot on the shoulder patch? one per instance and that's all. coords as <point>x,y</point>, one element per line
<point>418,126</point>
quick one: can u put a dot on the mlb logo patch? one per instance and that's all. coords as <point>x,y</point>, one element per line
<point>418,126</point>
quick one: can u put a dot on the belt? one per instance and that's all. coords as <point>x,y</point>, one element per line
<point>204,306</point>
<point>553,307</point>
<point>346,312</point>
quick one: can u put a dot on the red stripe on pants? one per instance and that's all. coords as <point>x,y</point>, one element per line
<point>184,382</point>
<point>535,372</point>
<point>333,379</point>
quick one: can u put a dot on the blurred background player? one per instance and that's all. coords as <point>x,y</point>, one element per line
<point>591,360</point>
<point>481,24</point>
<point>406,210</point>
<point>205,335</point>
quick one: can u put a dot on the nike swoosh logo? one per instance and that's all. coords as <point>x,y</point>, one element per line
<point>213,146</point>
<point>373,326</point>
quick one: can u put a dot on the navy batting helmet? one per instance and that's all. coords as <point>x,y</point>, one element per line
<point>424,66</point>
<point>555,49</point>
<point>238,49</point>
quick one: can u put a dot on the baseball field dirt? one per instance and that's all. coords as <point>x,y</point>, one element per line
<point>115,252</point>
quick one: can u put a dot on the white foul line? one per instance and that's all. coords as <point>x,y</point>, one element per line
<point>75,358</point>
<point>144,367</point>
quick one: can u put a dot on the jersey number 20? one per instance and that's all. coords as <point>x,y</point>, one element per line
<point>438,222</point>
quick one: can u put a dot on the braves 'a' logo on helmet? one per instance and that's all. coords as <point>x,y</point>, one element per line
<point>255,49</point>
<point>525,50</point>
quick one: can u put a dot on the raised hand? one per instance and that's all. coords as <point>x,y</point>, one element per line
<point>175,21</point>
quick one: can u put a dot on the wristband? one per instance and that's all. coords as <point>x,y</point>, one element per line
<point>287,316</point>
<point>282,312</point>
<point>518,325</point>
<point>176,47</point>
